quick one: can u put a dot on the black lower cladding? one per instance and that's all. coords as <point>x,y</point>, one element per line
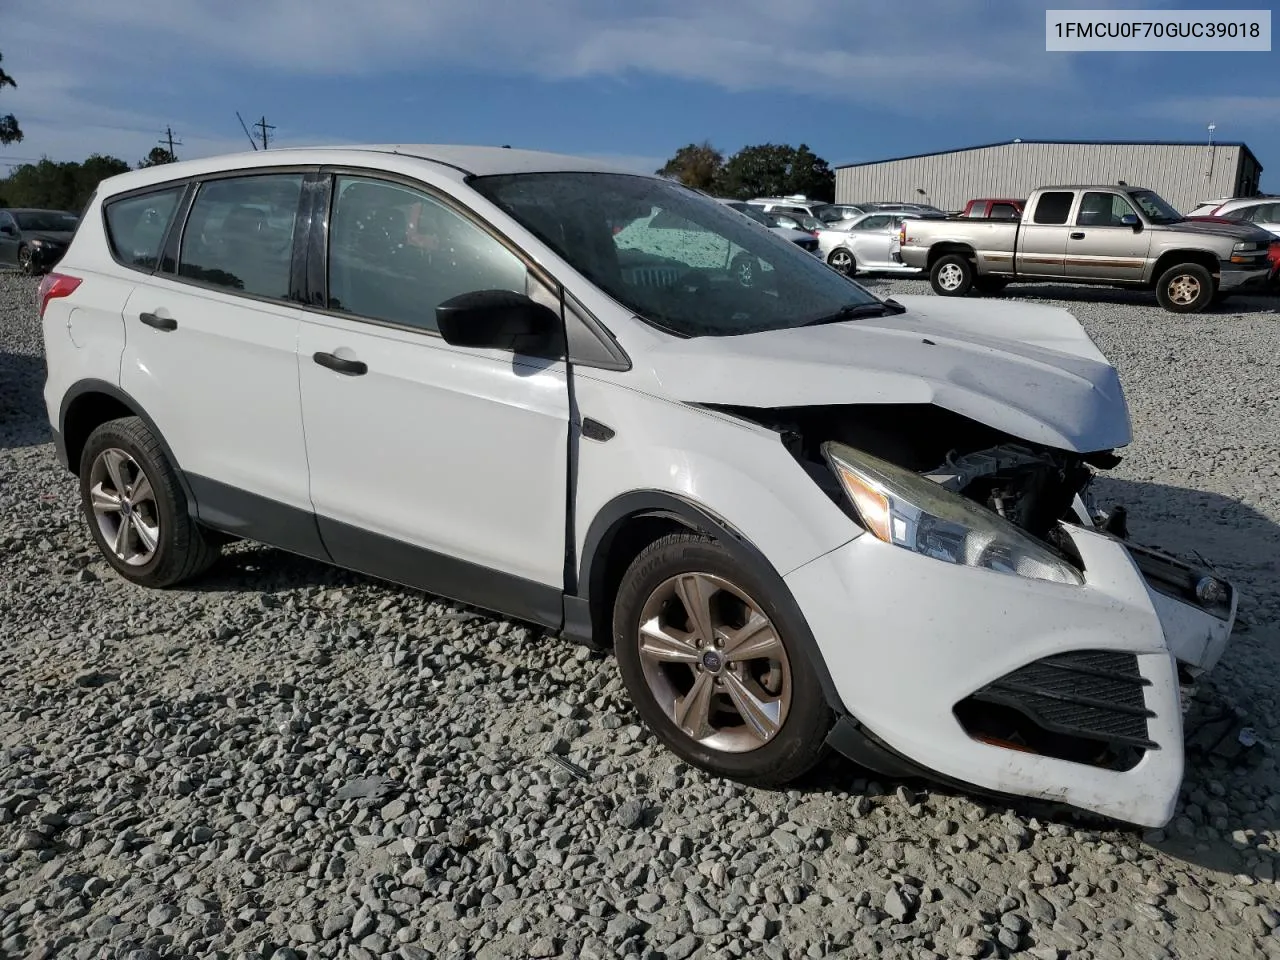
<point>1091,694</point>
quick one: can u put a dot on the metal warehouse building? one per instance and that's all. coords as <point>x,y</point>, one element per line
<point>1185,174</point>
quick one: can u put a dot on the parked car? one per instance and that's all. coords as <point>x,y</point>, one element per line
<point>34,240</point>
<point>1263,211</point>
<point>991,208</point>
<point>801,238</point>
<point>1114,235</point>
<point>795,206</point>
<point>868,243</point>
<point>800,515</point>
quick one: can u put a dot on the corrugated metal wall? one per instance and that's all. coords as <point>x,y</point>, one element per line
<point>1183,174</point>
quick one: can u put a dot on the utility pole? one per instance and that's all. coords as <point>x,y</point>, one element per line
<point>168,138</point>
<point>264,127</point>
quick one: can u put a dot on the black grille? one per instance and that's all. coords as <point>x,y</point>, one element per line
<point>1093,694</point>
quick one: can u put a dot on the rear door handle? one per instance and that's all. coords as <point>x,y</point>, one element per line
<point>352,368</point>
<point>1078,235</point>
<point>160,323</point>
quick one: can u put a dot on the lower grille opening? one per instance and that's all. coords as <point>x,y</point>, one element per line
<point>1008,728</point>
<point>1086,706</point>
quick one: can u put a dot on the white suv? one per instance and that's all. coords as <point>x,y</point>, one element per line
<point>800,515</point>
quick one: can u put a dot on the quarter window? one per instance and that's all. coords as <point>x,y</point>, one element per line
<point>395,254</point>
<point>136,226</point>
<point>1053,207</point>
<point>240,234</point>
<point>978,210</point>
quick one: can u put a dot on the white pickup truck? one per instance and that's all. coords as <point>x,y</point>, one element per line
<point>1109,235</point>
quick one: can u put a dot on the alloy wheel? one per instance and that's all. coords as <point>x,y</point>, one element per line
<point>842,262</point>
<point>950,277</point>
<point>124,506</point>
<point>714,662</point>
<point>1184,289</point>
<point>25,262</point>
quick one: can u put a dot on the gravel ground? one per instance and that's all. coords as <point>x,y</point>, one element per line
<point>290,761</point>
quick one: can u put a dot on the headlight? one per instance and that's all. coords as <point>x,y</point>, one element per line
<point>37,243</point>
<point>905,509</point>
<point>1245,245</point>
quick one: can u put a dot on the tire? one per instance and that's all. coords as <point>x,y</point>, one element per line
<point>1185,288</point>
<point>26,261</point>
<point>163,545</point>
<point>658,687</point>
<point>951,276</point>
<point>841,261</point>
<point>990,285</point>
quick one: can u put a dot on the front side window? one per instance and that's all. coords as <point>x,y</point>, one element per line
<point>1004,211</point>
<point>1053,207</point>
<point>679,260</point>
<point>396,253</point>
<point>1103,210</point>
<point>136,226</point>
<point>46,221</point>
<point>239,234</point>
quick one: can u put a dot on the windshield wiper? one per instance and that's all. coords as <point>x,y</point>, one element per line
<point>855,311</point>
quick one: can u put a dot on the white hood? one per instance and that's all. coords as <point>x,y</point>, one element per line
<point>1029,371</point>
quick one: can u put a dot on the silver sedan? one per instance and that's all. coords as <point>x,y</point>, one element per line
<point>866,243</point>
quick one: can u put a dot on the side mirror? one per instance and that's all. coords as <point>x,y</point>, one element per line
<point>1131,220</point>
<point>501,319</point>
<point>9,229</point>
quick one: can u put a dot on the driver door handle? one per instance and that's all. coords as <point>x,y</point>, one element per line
<point>1078,235</point>
<point>352,368</point>
<point>166,324</point>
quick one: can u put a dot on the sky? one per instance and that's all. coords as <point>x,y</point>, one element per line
<point>627,81</point>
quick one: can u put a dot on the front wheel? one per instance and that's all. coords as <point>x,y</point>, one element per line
<point>712,664</point>
<point>841,260</point>
<point>1186,288</point>
<point>745,269</point>
<point>26,261</point>
<point>951,276</point>
<point>136,509</point>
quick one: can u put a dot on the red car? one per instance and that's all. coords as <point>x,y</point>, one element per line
<point>993,208</point>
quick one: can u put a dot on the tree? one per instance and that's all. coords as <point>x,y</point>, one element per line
<point>59,186</point>
<point>695,165</point>
<point>10,132</point>
<point>156,157</point>
<point>777,170</point>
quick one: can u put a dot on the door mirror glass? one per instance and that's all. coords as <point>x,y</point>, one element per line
<point>500,319</point>
<point>9,229</point>
<point>1129,220</point>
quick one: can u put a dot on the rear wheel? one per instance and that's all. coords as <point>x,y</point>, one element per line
<point>1185,288</point>
<point>713,666</point>
<point>745,269</point>
<point>136,509</point>
<point>951,276</point>
<point>841,260</point>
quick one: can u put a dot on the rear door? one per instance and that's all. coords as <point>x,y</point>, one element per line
<point>1042,236</point>
<point>875,239</point>
<point>211,355</point>
<point>1101,246</point>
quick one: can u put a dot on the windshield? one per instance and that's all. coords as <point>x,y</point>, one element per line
<point>1154,207</point>
<point>54,220</point>
<point>682,261</point>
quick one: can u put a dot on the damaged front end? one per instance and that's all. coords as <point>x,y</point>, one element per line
<point>1077,695</point>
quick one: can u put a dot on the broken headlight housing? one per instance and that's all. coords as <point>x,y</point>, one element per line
<point>909,511</point>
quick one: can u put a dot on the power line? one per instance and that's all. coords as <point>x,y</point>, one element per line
<point>264,127</point>
<point>168,138</point>
<point>253,143</point>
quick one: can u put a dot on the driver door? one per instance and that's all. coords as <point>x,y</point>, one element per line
<point>435,466</point>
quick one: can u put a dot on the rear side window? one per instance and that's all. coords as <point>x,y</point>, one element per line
<point>239,234</point>
<point>136,226</point>
<point>1053,207</point>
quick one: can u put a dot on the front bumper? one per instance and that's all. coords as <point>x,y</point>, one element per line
<point>908,638</point>
<point>1243,278</point>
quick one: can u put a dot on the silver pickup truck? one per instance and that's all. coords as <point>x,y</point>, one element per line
<point>1111,235</point>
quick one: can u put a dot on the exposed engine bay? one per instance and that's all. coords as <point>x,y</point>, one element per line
<point>1033,487</point>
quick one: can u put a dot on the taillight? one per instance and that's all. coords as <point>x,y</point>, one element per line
<point>54,285</point>
<point>902,235</point>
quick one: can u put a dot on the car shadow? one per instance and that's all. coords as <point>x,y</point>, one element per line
<point>22,419</point>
